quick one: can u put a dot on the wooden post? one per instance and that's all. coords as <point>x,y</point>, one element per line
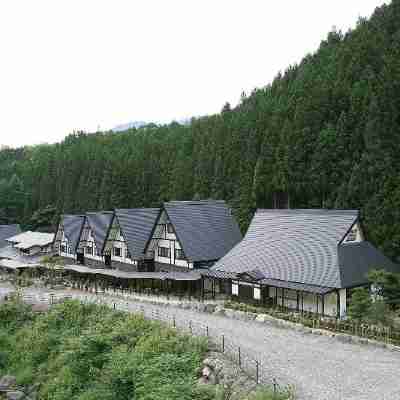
<point>239,357</point>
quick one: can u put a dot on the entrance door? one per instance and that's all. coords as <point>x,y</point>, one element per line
<point>107,260</point>
<point>80,258</point>
<point>246,293</point>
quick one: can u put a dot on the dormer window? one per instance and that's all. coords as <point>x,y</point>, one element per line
<point>170,228</point>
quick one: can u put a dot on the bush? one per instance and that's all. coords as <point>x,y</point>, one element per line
<point>360,304</point>
<point>90,352</point>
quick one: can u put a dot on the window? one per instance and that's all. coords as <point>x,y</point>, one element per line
<point>117,252</point>
<point>63,249</point>
<point>170,228</point>
<point>89,250</point>
<point>352,236</point>
<point>69,250</point>
<point>127,254</point>
<point>235,289</point>
<point>179,254</point>
<point>163,252</point>
<point>257,293</point>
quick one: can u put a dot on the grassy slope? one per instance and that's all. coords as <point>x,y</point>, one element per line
<point>90,352</point>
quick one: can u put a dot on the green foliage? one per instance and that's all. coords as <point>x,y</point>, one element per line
<point>323,134</point>
<point>379,313</point>
<point>89,352</point>
<point>387,286</point>
<point>360,304</point>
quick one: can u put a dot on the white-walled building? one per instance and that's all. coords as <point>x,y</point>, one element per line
<point>307,260</point>
<point>67,235</point>
<point>126,240</point>
<point>192,234</point>
<point>92,238</point>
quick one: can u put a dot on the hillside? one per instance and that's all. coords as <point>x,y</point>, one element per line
<point>326,133</point>
<point>89,352</point>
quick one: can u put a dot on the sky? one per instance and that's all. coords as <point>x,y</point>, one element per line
<point>70,65</point>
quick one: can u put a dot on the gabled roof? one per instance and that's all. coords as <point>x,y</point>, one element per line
<point>99,223</point>
<point>205,229</point>
<point>136,225</point>
<point>7,231</point>
<point>357,259</point>
<point>293,246</point>
<point>29,239</point>
<point>72,229</point>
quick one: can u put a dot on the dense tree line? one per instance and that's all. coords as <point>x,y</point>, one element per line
<point>325,133</point>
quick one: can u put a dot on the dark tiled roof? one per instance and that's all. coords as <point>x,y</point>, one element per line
<point>7,231</point>
<point>136,225</point>
<point>174,276</point>
<point>99,223</point>
<point>357,259</point>
<point>206,229</point>
<point>254,275</point>
<point>72,228</point>
<point>297,286</point>
<point>209,273</point>
<point>293,246</point>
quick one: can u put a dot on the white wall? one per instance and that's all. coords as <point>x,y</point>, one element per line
<point>307,301</point>
<point>171,242</point>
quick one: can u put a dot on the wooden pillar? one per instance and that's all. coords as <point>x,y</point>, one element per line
<point>283,297</point>
<point>317,304</point>
<point>302,301</point>
<point>338,304</point>
<point>298,300</point>
<point>323,304</point>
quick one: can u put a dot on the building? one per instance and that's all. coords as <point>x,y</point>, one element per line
<point>68,234</point>
<point>126,240</point>
<point>190,235</point>
<point>307,260</point>
<point>32,243</point>
<point>92,238</point>
<point>7,231</point>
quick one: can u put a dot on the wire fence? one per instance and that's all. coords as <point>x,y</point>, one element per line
<point>242,357</point>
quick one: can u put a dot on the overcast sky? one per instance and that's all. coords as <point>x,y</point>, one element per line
<point>67,64</point>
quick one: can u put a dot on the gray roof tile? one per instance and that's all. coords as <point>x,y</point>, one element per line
<point>206,229</point>
<point>99,223</point>
<point>136,225</point>
<point>72,228</point>
<point>357,259</point>
<point>293,246</point>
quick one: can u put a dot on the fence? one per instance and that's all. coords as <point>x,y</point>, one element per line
<point>390,335</point>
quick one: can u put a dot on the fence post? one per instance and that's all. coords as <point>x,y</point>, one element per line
<point>223,343</point>
<point>174,322</point>
<point>114,306</point>
<point>257,372</point>
<point>207,330</point>
<point>190,327</point>
<point>275,386</point>
<point>239,357</point>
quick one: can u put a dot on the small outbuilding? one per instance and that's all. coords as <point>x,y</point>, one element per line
<point>32,243</point>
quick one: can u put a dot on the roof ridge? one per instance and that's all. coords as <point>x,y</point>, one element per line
<point>307,210</point>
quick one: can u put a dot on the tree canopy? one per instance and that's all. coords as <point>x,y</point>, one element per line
<point>325,133</point>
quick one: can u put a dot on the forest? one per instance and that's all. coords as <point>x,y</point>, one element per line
<point>324,133</point>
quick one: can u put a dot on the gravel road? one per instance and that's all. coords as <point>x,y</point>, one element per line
<point>319,367</point>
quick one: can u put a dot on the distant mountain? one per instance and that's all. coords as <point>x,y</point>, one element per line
<point>139,124</point>
<point>129,125</point>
